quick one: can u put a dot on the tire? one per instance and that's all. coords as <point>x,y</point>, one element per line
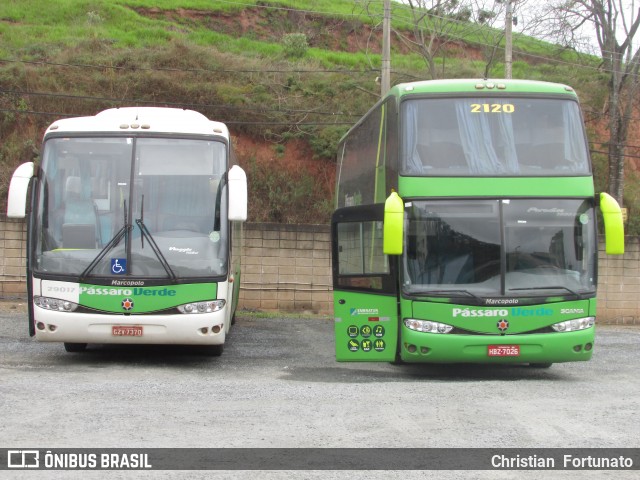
<point>214,350</point>
<point>75,347</point>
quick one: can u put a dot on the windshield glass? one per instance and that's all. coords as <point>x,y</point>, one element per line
<point>511,248</point>
<point>97,193</point>
<point>493,137</point>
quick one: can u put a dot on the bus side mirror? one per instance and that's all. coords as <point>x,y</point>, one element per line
<point>393,232</point>
<point>237,194</point>
<point>613,224</point>
<point>17,200</point>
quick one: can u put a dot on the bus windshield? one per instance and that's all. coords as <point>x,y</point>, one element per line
<point>485,136</point>
<point>114,206</point>
<point>500,248</point>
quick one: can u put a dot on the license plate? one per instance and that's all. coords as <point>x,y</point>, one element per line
<point>126,331</point>
<point>503,350</point>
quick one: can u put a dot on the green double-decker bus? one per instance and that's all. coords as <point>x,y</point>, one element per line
<point>465,228</point>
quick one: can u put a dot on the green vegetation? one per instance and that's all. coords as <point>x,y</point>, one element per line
<point>275,71</point>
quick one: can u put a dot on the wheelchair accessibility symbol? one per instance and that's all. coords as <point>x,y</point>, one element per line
<point>118,266</point>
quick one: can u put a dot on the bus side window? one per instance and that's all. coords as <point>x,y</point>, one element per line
<point>361,261</point>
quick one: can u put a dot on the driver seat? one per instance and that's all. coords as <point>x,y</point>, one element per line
<point>80,220</point>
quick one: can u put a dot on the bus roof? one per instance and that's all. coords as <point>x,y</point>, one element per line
<point>142,119</point>
<point>481,86</point>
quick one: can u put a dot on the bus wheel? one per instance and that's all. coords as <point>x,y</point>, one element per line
<point>540,365</point>
<point>75,347</point>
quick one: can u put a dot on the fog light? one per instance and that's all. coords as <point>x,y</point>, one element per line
<point>588,347</point>
<point>216,329</point>
<point>411,348</point>
<point>424,350</point>
<point>577,348</point>
<point>40,326</point>
<point>204,330</point>
<point>52,328</point>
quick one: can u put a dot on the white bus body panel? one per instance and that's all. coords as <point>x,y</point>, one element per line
<point>175,329</point>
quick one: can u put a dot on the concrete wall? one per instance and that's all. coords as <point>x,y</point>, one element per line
<point>288,267</point>
<point>13,263</point>
<point>619,285</point>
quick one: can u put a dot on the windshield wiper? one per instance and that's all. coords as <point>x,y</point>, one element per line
<point>154,246</point>
<point>122,233</point>
<point>439,293</point>
<point>550,287</point>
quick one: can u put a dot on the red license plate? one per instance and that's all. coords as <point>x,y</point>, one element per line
<point>503,350</point>
<point>126,331</point>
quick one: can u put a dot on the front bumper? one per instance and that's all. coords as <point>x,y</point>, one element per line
<point>177,329</point>
<point>534,348</point>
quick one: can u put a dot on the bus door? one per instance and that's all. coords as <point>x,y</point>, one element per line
<point>365,288</point>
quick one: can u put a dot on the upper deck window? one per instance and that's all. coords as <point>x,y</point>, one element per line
<point>498,137</point>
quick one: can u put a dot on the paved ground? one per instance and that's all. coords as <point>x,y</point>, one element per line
<point>277,385</point>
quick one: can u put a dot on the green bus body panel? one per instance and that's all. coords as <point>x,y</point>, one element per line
<point>108,298</point>
<point>484,319</point>
<point>366,327</point>
<point>412,187</point>
<point>548,347</point>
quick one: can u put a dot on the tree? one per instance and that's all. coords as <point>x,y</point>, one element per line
<point>434,24</point>
<point>615,23</point>
<point>490,14</point>
<point>429,27</point>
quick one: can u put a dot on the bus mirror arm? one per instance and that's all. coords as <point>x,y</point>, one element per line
<point>613,224</point>
<point>237,181</point>
<point>17,199</point>
<point>393,233</point>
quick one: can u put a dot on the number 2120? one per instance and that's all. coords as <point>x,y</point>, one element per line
<point>492,108</point>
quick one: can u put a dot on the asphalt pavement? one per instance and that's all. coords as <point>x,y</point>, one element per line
<point>277,385</point>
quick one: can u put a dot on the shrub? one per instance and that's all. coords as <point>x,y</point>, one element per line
<point>295,45</point>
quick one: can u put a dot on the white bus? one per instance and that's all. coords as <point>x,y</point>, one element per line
<point>134,220</point>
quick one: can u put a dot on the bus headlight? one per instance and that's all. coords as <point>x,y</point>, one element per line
<point>574,325</point>
<point>54,304</point>
<point>427,326</point>
<point>202,307</point>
